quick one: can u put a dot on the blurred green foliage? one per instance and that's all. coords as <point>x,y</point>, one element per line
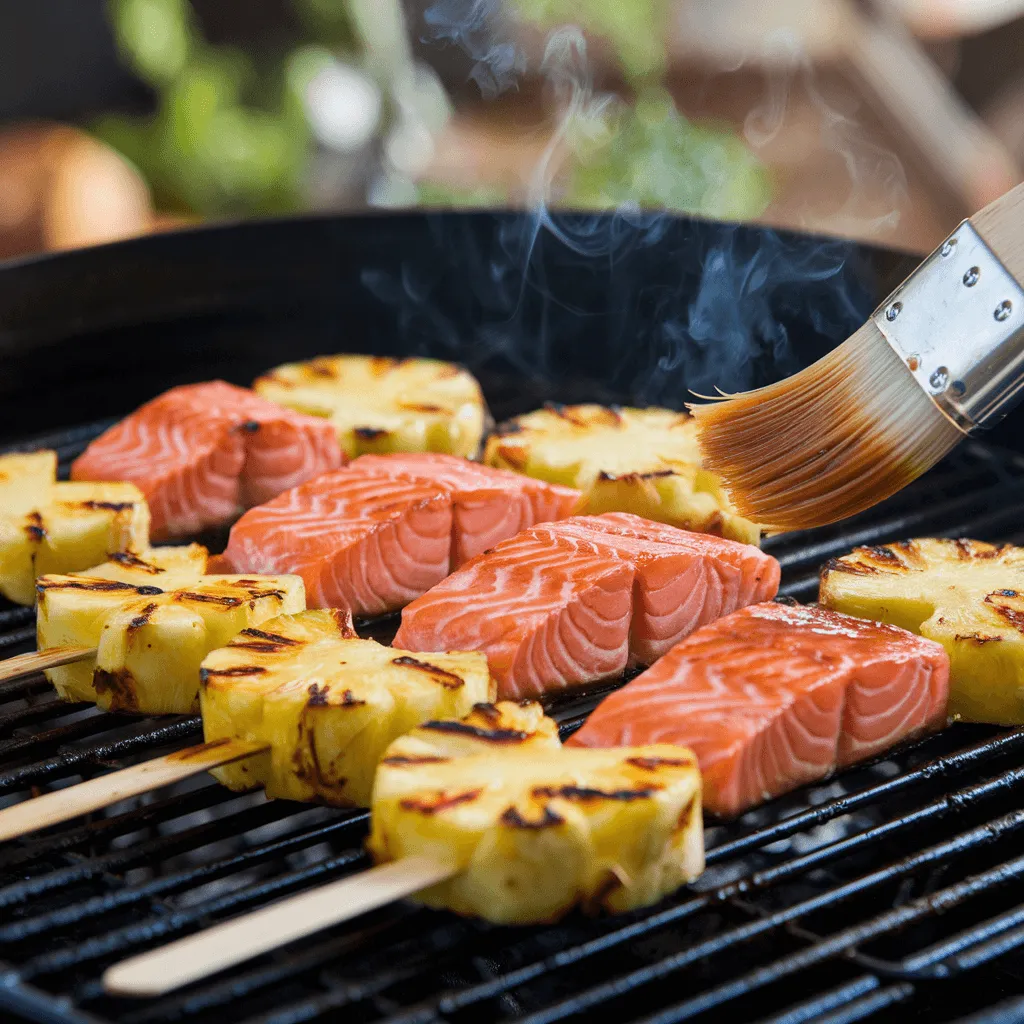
<point>229,135</point>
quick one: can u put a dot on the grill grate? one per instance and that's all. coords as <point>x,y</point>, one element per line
<point>893,891</point>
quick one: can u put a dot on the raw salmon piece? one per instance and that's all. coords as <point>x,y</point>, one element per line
<point>683,580</point>
<point>772,697</point>
<point>369,543</point>
<point>202,452</point>
<point>547,614</point>
<point>489,505</point>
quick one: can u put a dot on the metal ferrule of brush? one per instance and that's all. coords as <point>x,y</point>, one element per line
<point>958,324</point>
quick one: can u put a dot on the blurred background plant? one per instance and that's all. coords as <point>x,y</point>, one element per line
<point>241,133</point>
<point>877,119</point>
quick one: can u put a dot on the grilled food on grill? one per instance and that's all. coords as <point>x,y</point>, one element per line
<point>644,461</point>
<point>573,602</point>
<point>50,526</point>
<point>772,697</point>
<point>385,405</point>
<point>383,530</point>
<point>326,702</point>
<point>203,452</point>
<point>536,828</point>
<point>967,595</point>
<point>153,618</point>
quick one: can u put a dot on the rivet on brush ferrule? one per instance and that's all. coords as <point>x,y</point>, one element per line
<point>958,325</point>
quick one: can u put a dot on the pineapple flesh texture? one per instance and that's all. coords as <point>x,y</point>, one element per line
<point>326,703</point>
<point>51,526</point>
<point>644,461</point>
<point>384,405</point>
<point>152,624</point>
<point>967,595</point>
<point>533,828</point>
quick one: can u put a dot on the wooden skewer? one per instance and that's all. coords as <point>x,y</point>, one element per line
<point>224,945</point>
<point>36,661</point>
<point>64,804</point>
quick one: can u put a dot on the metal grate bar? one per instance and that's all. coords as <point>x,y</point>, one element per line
<point>164,885</point>
<point>950,848</point>
<point>71,760</point>
<point>833,1000</point>
<point>869,1005</point>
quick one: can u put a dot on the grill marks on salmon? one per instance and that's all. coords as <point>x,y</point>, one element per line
<point>772,697</point>
<point>375,535</point>
<point>201,453</point>
<point>568,603</point>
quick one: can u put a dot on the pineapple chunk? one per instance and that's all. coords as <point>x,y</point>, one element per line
<point>385,405</point>
<point>535,828</point>
<point>56,527</point>
<point>644,461</point>
<point>327,703</point>
<point>153,618</point>
<point>967,595</point>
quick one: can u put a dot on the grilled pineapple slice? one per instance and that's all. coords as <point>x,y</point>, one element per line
<point>967,595</point>
<point>48,526</point>
<point>385,405</point>
<point>327,703</point>
<point>644,461</point>
<point>535,828</point>
<point>153,619</point>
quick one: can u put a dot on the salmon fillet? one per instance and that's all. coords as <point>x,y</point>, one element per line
<point>488,505</point>
<point>201,453</point>
<point>382,531</point>
<point>772,697</point>
<point>683,580</point>
<point>549,606</point>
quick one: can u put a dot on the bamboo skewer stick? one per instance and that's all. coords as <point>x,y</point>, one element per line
<point>224,945</point>
<point>36,661</point>
<point>62,805</point>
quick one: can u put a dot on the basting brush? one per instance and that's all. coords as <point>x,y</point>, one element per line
<point>942,357</point>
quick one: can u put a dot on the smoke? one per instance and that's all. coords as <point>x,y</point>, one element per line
<point>632,305</point>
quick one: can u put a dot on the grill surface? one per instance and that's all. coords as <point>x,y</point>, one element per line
<point>893,891</point>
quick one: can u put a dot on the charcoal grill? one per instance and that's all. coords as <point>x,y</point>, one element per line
<point>892,891</point>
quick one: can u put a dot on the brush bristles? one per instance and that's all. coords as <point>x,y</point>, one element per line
<point>829,441</point>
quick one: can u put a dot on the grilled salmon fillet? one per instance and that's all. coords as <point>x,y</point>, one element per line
<point>573,602</point>
<point>965,594</point>
<point>772,697</point>
<point>535,828</point>
<point>375,535</point>
<point>49,525</point>
<point>201,453</point>
<point>326,702</point>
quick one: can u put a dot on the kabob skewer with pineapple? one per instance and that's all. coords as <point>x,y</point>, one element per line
<point>490,816</point>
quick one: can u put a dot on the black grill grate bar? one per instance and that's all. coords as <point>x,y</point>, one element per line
<point>69,761</point>
<point>54,708</point>
<point>985,952</point>
<point>164,885</point>
<point>758,881</point>
<point>889,921</point>
<point>941,767</point>
<point>99,831</point>
<point>12,618</point>
<point>928,962</point>
<point>159,929</point>
<point>16,689</point>
<point>97,722</point>
<point>18,636</point>
<point>895,526</point>
<point>68,443</point>
<point>967,841</point>
<point>869,1005</point>
<point>32,1004</point>
<point>286,968</point>
<point>827,1001</point>
<point>161,846</point>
